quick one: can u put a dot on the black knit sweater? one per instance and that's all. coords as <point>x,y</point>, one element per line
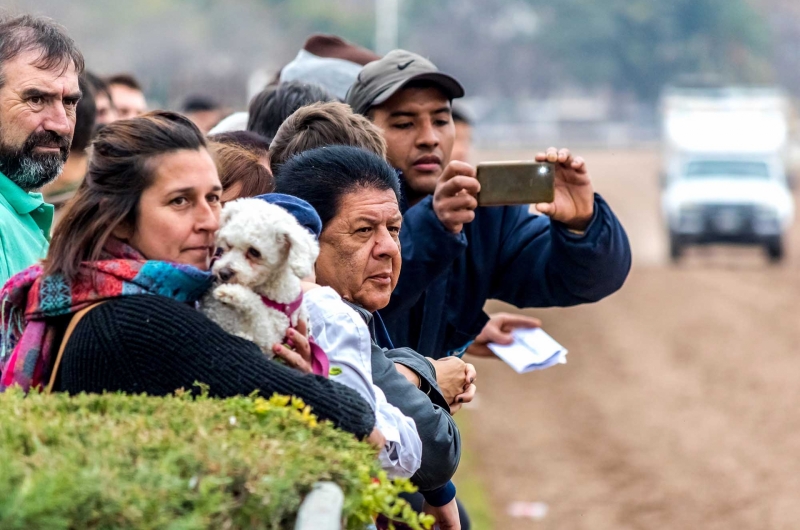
<point>155,345</point>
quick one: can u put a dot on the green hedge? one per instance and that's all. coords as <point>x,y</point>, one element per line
<point>139,462</point>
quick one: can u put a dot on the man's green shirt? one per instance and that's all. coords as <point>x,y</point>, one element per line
<point>25,221</point>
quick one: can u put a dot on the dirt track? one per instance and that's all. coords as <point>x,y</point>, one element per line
<point>678,407</point>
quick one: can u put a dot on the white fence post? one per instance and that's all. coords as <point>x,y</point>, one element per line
<point>321,509</point>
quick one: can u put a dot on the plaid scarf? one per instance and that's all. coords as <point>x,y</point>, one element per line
<point>29,300</point>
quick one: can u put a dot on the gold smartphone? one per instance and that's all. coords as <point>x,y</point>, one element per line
<point>517,182</point>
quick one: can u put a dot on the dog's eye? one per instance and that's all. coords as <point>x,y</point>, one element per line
<point>218,252</point>
<point>253,253</point>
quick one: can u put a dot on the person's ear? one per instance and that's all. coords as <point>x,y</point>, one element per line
<point>123,231</point>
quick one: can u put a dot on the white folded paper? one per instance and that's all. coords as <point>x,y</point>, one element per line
<point>532,349</point>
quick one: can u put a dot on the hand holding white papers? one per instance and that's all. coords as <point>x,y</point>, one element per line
<point>499,330</point>
<point>532,349</point>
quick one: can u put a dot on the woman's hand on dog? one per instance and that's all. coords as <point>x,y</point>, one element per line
<point>299,355</point>
<point>376,439</point>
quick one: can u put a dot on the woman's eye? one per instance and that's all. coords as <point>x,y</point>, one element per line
<point>213,199</point>
<point>442,123</point>
<point>253,253</point>
<point>406,125</point>
<point>179,201</point>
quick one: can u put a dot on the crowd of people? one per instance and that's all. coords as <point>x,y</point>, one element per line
<point>368,152</point>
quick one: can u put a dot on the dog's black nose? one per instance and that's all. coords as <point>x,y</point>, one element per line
<point>225,274</point>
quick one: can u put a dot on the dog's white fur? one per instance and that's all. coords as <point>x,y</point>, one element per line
<point>286,253</point>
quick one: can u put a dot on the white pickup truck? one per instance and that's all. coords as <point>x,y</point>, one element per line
<point>724,173</point>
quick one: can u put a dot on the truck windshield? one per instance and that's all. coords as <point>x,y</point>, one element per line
<point>699,169</point>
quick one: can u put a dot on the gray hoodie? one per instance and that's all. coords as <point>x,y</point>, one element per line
<point>441,441</point>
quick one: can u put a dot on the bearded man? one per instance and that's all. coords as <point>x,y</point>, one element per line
<point>39,94</point>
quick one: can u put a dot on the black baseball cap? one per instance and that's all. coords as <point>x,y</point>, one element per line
<point>381,79</point>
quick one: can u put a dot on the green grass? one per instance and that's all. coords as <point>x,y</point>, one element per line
<point>471,491</point>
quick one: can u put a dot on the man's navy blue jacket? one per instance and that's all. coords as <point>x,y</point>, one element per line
<point>505,253</point>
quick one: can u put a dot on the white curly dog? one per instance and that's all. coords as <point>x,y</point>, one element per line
<point>265,253</point>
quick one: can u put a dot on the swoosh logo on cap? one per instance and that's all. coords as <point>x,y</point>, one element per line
<point>404,66</point>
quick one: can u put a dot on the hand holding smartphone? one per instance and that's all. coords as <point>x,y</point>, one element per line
<point>454,199</point>
<point>516,182</point>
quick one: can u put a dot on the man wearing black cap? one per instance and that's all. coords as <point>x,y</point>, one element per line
<point>456,255</point>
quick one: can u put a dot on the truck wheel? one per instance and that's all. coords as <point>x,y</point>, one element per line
<point>675,247</point>
<point>774,249</point>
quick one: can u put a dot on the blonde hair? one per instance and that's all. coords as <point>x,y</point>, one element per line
<point>321,125</point>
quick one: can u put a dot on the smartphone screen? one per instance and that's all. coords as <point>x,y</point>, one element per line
<point>518,182</point>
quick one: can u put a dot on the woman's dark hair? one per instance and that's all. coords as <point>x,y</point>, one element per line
<point>324,175</point>
<point>120,169</point>
<point>270,107</point>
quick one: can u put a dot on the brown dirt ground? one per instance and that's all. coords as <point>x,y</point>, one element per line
<point>678,407</point>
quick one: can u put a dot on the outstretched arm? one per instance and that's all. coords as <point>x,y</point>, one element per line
<point>581,255</point>
<point>542,263</point>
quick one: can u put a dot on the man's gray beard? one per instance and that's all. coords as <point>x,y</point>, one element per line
<point>28,170</point>
<point>33,174</point>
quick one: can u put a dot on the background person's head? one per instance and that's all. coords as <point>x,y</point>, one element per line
<point>151,183</point>
<point>462,119</point>
<point>328,61</point>
<point>270,107</point>
<point>409,99</point>
<point>85,119</point>
<point>39,94</point>
<point>106,111</point>
<point>253,142</point>
<point>324,124</point>
<point>204,111</point>
<point>127,96</point>
<point>241,173</point>
<point>356,194</point>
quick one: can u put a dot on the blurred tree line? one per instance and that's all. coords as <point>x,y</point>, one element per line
<point>498,48</point>
<point>629,46</point>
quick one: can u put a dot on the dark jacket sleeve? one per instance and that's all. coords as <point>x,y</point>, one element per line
<point>428,250</point>
<point>441,441</point>
<point>424,369</point>
<point>542,264</point>
<point>155,345</point>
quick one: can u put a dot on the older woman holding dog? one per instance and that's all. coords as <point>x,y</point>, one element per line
<point>356,194</point>
<point>126,266</point>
